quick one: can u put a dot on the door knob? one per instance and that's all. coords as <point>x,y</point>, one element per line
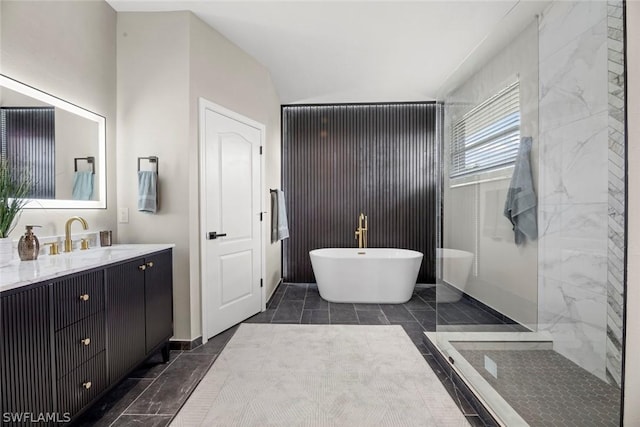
<point>214,235</point>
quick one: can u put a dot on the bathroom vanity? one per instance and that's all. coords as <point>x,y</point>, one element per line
<point>73,325</point>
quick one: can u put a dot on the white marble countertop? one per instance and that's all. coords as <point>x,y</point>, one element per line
<point>47,267</point>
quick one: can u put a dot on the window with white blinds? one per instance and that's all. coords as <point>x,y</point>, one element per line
<point>487,137</point>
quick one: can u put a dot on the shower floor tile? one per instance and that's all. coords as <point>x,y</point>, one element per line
<point>546,389</point>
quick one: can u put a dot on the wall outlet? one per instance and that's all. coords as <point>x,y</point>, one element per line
<point>491,366</point>
<point>123,215</point>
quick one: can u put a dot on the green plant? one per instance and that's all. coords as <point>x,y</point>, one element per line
<point>13,197</point>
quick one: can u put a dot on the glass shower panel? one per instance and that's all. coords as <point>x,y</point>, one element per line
<point>535,328</point>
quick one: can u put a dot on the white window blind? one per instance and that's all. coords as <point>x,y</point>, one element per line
<point>487,137</point>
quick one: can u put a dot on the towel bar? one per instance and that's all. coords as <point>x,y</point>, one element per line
<point>91,160</point>
<point>152,159</point>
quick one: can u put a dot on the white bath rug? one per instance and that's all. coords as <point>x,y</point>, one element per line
<point>320,375</point>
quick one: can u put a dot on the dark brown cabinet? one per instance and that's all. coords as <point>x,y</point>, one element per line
<point>78,339</point>
<point>65,342</point>
<point>125,317</point>
<point>25,353</point>
<point>158,297</point>
<point>139,310</point>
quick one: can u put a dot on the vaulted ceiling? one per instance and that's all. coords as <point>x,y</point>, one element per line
<point>359,51</point>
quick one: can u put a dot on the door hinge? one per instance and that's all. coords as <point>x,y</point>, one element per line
<point>261,283</point>
<point>261,149</point>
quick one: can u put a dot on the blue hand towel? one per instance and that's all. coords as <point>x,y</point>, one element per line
<point>147,191</point>
<point>283,225</point>
<point>520,206</point>
<point>82,185</point>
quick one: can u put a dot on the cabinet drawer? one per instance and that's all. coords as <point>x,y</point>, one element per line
<point>77,297</point>
<point>82,385</point>
<point>78,343</point>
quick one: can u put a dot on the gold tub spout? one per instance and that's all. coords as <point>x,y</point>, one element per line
<point>68,245</point>
<point>361,232</point>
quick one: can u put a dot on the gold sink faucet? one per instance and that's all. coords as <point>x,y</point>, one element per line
<point>361,232</point>
<point>68,245</point>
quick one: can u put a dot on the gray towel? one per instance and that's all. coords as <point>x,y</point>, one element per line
<point>82,185</point>
<point>274,216</point>
<point>147,191</point>
<point>283,225</point>
<point>520,206</point>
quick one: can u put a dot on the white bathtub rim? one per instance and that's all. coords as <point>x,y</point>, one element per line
<point>383,253</point>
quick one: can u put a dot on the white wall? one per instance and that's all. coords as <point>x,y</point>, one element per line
<point>153,120</point>
<point>506,278</point>
<point>165,62</point>
<point>632,351</point>
<point>222,73</point>
<point>67,49</point>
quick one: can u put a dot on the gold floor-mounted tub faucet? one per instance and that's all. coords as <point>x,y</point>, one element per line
<point>361,232</point>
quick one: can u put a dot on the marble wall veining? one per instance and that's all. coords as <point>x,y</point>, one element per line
<point>615,257</point>
<point>574,190</point>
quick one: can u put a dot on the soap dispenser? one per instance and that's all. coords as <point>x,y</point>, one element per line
<point>29,246</point>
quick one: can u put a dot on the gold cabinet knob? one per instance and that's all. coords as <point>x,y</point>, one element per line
<point>86,385</point>
<point>150,264</point>
<point>86,341</point>
<point>142,267</point>
<point>84,297</point>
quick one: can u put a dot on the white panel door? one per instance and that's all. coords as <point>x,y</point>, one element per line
<point>231,256</point>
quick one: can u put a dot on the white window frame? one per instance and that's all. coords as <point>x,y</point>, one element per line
<point>487,137</point>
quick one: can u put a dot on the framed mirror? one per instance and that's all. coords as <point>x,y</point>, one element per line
<point>60,145</point>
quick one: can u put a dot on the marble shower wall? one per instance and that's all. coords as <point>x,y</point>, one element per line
<point>574,186</point>
<point>615,277</point>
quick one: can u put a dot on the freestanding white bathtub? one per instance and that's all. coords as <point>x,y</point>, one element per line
<point>456,267</point>
<point>372,275</point>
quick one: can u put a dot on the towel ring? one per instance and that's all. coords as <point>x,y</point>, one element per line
<point>91,160</point>
<point>152,160</point>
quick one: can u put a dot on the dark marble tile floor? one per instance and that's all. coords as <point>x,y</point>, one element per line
<point>154,393</point>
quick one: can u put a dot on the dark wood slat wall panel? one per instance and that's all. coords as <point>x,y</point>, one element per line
<point>25,352</point>
<point>340,160</point>
<point>28,143</point>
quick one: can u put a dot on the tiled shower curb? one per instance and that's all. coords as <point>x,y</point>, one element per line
<point>481,410</point>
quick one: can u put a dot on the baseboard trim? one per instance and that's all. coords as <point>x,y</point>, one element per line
<point>185,345</point>
<point>275,288</point>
